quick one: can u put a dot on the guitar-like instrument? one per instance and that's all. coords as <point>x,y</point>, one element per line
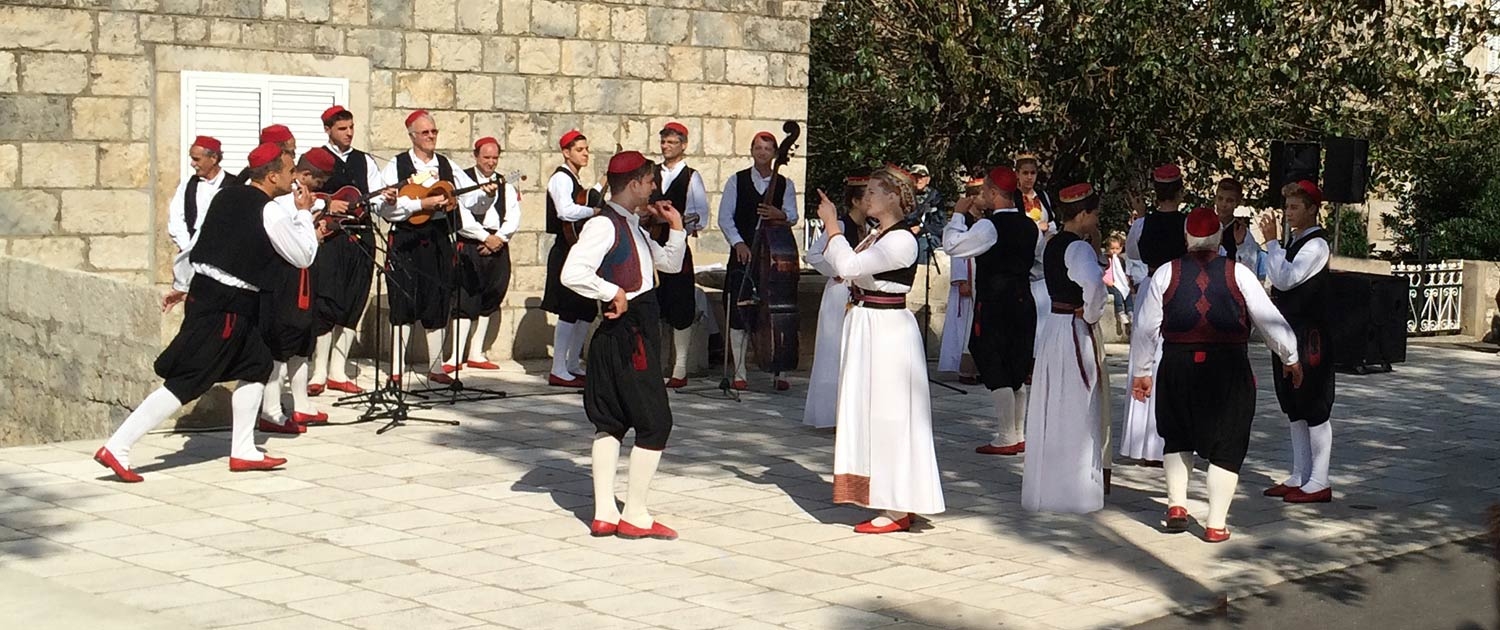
<point>422,189</point>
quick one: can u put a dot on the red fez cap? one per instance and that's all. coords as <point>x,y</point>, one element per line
<point>569,138</point>
<point>264,154</point>
<point>412,117</point>
<point>1312,191</point>
<point>855,181</point>
<point>676,127</point>
<point>1004,178</point>
<point>207,142</point>
<point>974,182</point>
<point>1075,193</point>
<point>764,134</point>
<point>1166,173</point>
<point>626,162</point>
<point>1203,222</point>
<point>329,113</point>
<point>275,133</point>
<point>486,140</point>
<point>321,158</point>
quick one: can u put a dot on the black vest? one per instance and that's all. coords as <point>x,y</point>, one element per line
<point>905,275</point>
<point>405,168</point>
<point>1226,240</point>
<point>852,231</point>
<point>677,193</point>
<point>353,171</point>
<point>1006,266</point>
<point>1204,304</point>
<point>499,206</point>
<point>190,204</point>
<point>554,222</point>
<point>1055,270</point>
<point>621,265</point>
<point>1163,238</point>
<point>1307,302</point>
<point>747,201</point>
<point>234,237</point>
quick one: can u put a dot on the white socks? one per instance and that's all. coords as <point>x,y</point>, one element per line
<point>1005,411</point>
<point>739,340</point>
<point>244,403</point>
<point>435,351</point>
<point>1177,467</point>
<point>463,327</point>
<point>1300,454</point>
<point>643,463</point>
<point>1221,484</point>
<point>337,363</point>
<point>475,348</point>
<point>562,344</point>
<point>1321,438</point>
<point>575,354</point>
<point>154,410</point>
<point>299,370</point>
<point>1023,396</point>
<point>681,341</point>
<point>400,336</point>
<point>604,461</point>
<point>270,402</point>
<point>321,353</point>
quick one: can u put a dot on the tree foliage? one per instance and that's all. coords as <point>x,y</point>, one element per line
<point>1452,203</point>
<point>1105,89</point>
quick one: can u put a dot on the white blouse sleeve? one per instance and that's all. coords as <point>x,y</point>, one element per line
<point>896,250</point>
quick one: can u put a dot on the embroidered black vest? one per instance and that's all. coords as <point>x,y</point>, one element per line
<point>1204,304</point>
<point>1055,270</point>
<point>621,266</point>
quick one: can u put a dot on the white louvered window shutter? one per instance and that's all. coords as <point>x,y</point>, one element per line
<point>234,107</point>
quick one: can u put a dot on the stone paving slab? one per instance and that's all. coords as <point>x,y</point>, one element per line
<point>483,525</point>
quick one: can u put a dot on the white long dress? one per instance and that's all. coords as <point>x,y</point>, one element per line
<point>821,408</point>
<point>1138,436</point>
<point>883,452</point>
<point>1064,464</point>
<point>958,321</point>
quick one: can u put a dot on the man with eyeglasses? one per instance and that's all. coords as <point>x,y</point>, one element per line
<point>419,255</point>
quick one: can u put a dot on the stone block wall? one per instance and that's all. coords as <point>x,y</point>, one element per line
<point>90,129</point>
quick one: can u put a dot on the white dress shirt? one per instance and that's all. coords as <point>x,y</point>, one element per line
<point>489,218</point>
<point>292,236</point>
<point>1286,274</point>
<point>560,190</point>
<point>1247,252</point>
<point>697,196</point>
<point>177,226</point>
<point>730,197</point>
<point>1273,327</point>
<point>580,271</point>
<point>404,208</point>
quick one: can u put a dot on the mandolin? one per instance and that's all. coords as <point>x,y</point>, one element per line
<point>417,189</point>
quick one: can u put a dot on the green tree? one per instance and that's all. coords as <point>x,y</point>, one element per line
<point>1106,89</point>
<point>1452,198</point>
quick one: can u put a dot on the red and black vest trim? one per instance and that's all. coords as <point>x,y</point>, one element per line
<point>622,263</point>
<point>1203,305</point>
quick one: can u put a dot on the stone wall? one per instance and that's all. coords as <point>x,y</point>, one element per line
<point>90,130</point>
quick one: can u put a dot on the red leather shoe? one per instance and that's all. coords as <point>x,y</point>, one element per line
<point>1177,519</point>
<point>555,381</point>
<point>244,465</point>
<point>869,527</point>
<point>1298,496</point>
<point>991,449</point>
<point>441,379</point>
<point>657,531</point>
<point>675,383</point>
<point>740,385</point>
<point>482,365</point>
<point>579,375</point>
<point>1215,535</point>
<point>107,460</point>
<point>1279,490</point>
<point>782,386</point>
<point>291,427</point>
<point>600,529</point>
<point>449,369</point>
<point>310,418</point>
<point>313,389</point>
<point>345,386</point>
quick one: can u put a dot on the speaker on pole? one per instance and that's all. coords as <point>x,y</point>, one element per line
<point>1290,162</point>
<point>1346,169</point>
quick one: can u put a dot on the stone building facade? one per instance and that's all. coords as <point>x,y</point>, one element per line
<point>91,102</point>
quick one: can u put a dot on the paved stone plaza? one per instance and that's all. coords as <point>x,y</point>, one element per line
<point>484,525</point>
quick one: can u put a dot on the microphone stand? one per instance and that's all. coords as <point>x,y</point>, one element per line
<point>732,303</point>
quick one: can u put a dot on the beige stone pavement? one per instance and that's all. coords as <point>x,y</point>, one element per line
<point>481,525</point>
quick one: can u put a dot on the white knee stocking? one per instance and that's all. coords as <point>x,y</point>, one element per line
<point>400,336</point>
<point>605,460</point>
<point>740,341</point>
<point>300,402</point>
<point>1321,438</point>
<point>1177,467</point>
<point>321,353</point>
<point>1005,411</point>
<point>152,411</point>
<point>643,463</point>
<point>575,356</point>
<point>464,326</point>
<point>435,348</point>
<point>1023,397</point>
<point>1300,454</point>
<point>343,339</point>
<point>476,349</point>
<point>1221,484</point>
<point>270,402</point>
<point>562,344</point>
<point>243,403</point>
<point>681,341</point>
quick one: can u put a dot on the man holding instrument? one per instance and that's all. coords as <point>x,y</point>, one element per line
<point>483,260</point>
<point>569,203</point>
<point>682,186</point>
<point>346,261</point>
<point>742,212</point>
<point>419,258</point>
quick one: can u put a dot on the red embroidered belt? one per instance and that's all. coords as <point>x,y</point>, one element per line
<point>877,299</point>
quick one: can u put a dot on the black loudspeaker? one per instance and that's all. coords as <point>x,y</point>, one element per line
<point>1292,162</point>
<point>1368,315</point>
<point>1346,169</point>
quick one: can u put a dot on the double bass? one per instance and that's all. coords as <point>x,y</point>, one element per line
<point>775,270</point>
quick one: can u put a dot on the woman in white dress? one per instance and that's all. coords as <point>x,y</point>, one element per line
<point>958,319</point>
<point>1064,469</point>
<point>883,452</point>
<point>823,383</point>
<point>1139,440</point>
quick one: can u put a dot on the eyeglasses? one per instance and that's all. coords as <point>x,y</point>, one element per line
<point>429,132</point>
